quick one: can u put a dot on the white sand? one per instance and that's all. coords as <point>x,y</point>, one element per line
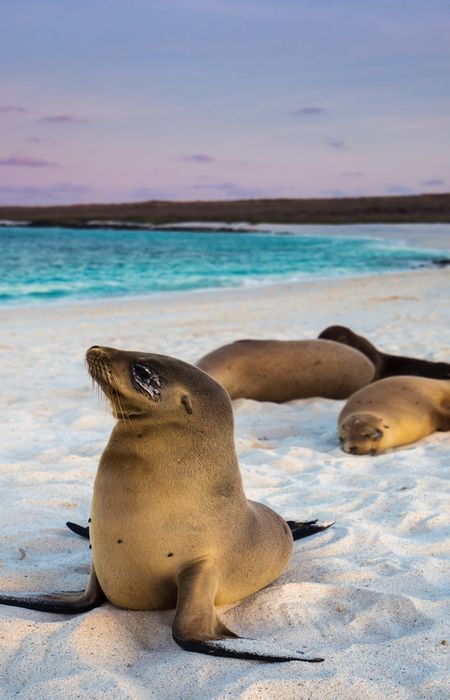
<point>371,595</point>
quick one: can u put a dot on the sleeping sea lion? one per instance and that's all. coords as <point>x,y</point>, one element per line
<point>392,412</point>
<point>283,370</point>
<point>387,365</point>
<point>170,524</point>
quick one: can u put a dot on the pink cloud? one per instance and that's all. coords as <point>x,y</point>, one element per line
<point>309,112</point>
<point>199,158</point>
<point>27,162</point>
<point>14,109</point>
<point>434,182</point>
<point>337,143</point>
<point>64,119</point>
<point>398,189</point>
<point>353,174</point>
<point>39,139</point>
<point>58,193</point>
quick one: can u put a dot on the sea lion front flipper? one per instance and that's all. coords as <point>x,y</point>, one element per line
<point>62,603</point>
<point>78,529</point>
<point>305,528</point>
<point>197,627</point>
<point>444,418</point>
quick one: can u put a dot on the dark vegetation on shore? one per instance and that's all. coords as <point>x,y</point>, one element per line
<point>426,208</point>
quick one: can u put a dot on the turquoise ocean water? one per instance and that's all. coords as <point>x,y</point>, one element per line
<point>40,265</point>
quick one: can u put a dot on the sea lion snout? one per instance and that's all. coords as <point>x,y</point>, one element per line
<point>360,434</point>
<point>96,354</point>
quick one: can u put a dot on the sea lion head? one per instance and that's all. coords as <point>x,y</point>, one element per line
<point>340,334</point>
<point>143,385</point>
<point>361,434</point>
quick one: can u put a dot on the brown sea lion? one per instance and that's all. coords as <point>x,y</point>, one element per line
<point>392,412</point>
<point>170,523</point>
<point>283,370</point>
<point>387,365</point>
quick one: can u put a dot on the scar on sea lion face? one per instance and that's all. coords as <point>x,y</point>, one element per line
<point>146,380</point>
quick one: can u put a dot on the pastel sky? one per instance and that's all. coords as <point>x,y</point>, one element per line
<point>125,100</point>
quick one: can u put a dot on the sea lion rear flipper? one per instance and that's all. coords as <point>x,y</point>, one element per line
<point>62,603</point>
<point>78,529</point>
<point>197,627</point>
<point>387,365</point>
<point>396,365</point>
<point>306,528</point>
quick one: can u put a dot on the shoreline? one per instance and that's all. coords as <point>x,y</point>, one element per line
<point>270,228</point>
<point>228,292</point>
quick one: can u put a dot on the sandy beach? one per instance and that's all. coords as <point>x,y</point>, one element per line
<point>370,595</point>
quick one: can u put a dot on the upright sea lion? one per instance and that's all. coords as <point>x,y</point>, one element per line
<point>392,412</point>
<point>170,523</point>
<point>387,365</point>
<point>283,370</point>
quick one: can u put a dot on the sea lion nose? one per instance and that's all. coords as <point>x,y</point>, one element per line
<point>98,350</point>
<point>95,352</point>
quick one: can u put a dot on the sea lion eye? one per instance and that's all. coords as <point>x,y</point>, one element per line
<point>146,380</point>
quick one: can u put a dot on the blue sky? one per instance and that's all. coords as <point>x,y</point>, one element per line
<point>208,99</point>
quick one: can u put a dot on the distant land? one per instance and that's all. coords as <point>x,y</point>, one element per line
<point>425,208</point>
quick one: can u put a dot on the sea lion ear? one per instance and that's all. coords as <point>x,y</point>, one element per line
<point>186,401</point>
<point>377,434</point>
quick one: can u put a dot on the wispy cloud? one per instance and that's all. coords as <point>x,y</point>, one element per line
<point>338,144</point>
<point>334,193</point>
<point>353,174</point>
<point>15,109</point>
<point>434,182</point>
<point>39,139</point>
<point>64,119</point>
<point>62,192</point>
<point>146,193</point>
<point>17,161</point>
<point>310,111</point>
<point>233,190</point>
<point>397,189</point>
<point>199,158</point>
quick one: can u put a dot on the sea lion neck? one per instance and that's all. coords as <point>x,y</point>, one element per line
<point>147,443</point>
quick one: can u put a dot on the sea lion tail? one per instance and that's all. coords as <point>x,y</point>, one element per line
<point>305,528</point>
